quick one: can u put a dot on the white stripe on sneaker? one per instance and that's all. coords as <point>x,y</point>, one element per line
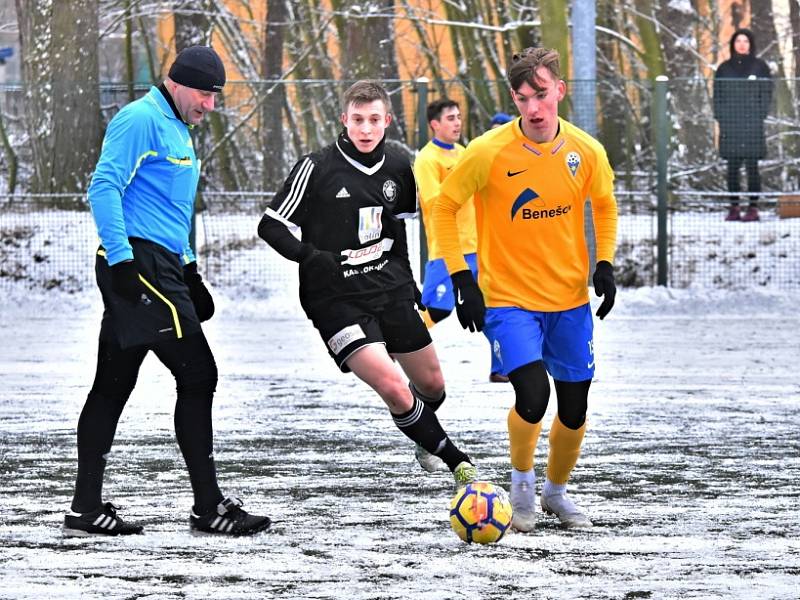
<point>112,525</point>
<point>100,518</point>
<point>230,526</point>
<point>215,522</point>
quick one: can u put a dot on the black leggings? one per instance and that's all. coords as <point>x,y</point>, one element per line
<point>532,390</point>
<point>753,177</point>
<point>192,364</point>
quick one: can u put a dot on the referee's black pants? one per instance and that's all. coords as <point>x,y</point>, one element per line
<point>192,364</point>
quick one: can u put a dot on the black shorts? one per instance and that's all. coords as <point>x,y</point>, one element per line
<point>167,313</point>
<point>345,326</point>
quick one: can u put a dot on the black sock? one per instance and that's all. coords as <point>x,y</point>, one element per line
<point>421,425</point>
<point>196,379</point>
<point>96,428</point>
<point>195,439</point>
<point>89,485</point>
<point>430,402</point>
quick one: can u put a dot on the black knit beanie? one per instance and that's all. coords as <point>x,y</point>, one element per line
<point>198,67</point>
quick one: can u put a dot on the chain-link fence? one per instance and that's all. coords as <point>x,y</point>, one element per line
<point>49,242</point>
<point>663,141</point>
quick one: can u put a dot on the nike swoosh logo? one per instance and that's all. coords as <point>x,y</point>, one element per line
<point>459,299</point>
<point>512,173</point>
<point>590,365</point>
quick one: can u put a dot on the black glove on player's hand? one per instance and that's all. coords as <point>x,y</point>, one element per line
<point>604,286</point>
<point>125,281</point>
<point>418,298</point>
<point>470,306</point>
<point>201,297</point>
<point>321,266</point>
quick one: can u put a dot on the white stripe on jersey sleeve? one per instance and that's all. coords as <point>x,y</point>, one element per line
<point>297,191</point>
<point>294,228</point>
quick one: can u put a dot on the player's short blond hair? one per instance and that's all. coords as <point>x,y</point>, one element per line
<point>525,63</point>
<point>364,92</point>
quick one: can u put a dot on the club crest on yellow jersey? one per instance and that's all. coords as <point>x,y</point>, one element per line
<point>573,162</point>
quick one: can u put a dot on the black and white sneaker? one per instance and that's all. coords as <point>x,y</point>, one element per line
<point>229,519</point>
<point>103,521</point>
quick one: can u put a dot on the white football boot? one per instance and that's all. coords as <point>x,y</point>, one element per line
<point>523,500</point>
<point>555,502</point>
<point>429,462</point>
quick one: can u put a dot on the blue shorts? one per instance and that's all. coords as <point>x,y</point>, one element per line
<point>437,289</point>
<point>563,340</point>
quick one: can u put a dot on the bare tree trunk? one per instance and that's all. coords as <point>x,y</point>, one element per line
<point>272,122</point>
<point>794,17</point>
<point>767,48</point>
<point>129,73</point>
<point>615,111</point>
<point>60,74</point>
<point>192,25</point>
<point>653,56</point>
<point>470,57</point>
<point>11,156</point>
<point>525,36</point>
<point>694,129</point>
<point>555,33</point>
<point>368,52</point>
<point>318,107</point>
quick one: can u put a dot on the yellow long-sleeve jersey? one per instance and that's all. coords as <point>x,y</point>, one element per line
<point>529,204</point>
<point>431,166</point>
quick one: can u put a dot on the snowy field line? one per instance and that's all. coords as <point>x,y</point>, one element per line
<point>690,469</point>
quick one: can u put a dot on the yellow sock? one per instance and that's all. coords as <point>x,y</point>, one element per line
<point>426,318</point>
<point>565,448</point>
<point>523,437</point>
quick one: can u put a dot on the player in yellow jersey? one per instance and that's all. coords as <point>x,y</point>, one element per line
<point>431,166</point>
<point>530,179</point>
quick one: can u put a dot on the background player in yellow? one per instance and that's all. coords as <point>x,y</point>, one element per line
<point>431,166</point>
<point>530,179</point>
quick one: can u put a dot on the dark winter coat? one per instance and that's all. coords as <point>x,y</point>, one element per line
<point>742,97</point>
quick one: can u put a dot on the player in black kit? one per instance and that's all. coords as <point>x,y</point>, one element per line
<point>356,284</point>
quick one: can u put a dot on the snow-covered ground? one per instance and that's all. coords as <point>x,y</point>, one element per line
<point>690,469</point>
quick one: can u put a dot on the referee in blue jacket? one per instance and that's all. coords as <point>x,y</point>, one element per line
<point>142,199</point>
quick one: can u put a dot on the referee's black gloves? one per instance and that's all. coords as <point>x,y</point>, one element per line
<point>320,266</point>
<point>201,297</point>
<point>470,306</point>
<point>125,282</point>
<point>604,286</point>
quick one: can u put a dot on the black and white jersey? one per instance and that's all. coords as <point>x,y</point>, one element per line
<point>353,210</point>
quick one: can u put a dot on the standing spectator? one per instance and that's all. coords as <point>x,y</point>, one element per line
<point>142,198</point>
<point>742,97</point>
<point>431,166</point>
